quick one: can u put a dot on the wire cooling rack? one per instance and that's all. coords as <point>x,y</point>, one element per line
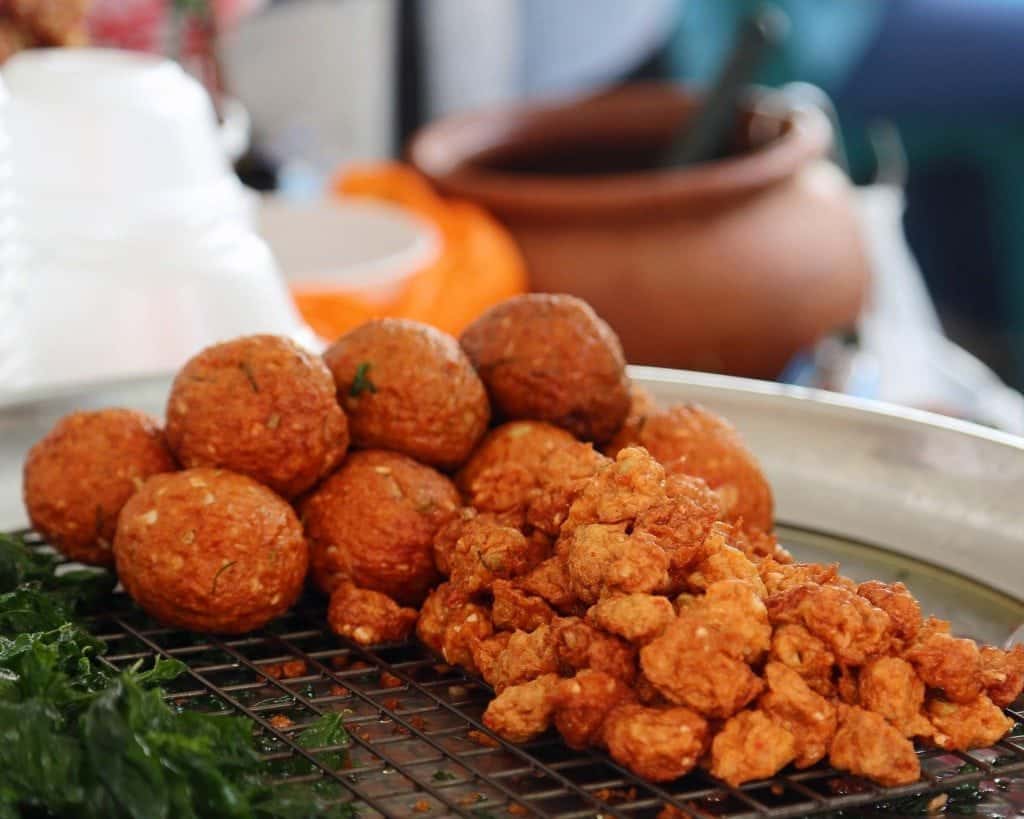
<point>418,746</point>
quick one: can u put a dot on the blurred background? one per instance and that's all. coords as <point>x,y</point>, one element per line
<point>823,192</point>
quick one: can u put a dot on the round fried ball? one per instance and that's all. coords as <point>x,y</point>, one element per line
<point>693,440</point>
<point>373,523</point>
<point>409,388</point>
<point>551,358</point>
<point>77,478</point>
<point>210,550</point>
<point>261,406</point>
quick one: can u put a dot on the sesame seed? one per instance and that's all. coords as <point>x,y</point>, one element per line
<point>149,517</point>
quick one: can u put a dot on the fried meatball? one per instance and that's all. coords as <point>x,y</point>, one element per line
<point>209,550</point>
<point>550,358</point>
<point>522,712</point>
<point>733,609</point>
<point>368,617</point>
<point>582,703</point>
<point>409,387</point>
<point>659,744</point>
<point>373,522</point>
<point>962,726</point>
<point>78,476</point>
<point>638,618</point>
<point>261,406</point>
<point>867,745</point>
<point>528,472</point>
<point>693,440</point>
<point>751,745</point>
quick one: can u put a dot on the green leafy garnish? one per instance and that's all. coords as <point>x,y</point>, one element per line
<point>78,739</point>
<point>362,383</point>
<point>443,776</point>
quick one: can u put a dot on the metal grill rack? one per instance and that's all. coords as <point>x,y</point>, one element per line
<point>418,746</point>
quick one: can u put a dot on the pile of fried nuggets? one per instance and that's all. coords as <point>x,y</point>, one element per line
<point>631,595</point>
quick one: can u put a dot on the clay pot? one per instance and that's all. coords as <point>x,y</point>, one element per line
<point>729,266</point>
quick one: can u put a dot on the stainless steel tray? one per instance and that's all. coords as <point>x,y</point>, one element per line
<point>891,493</point>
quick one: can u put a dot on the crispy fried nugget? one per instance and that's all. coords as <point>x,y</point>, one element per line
<point>751,745</point>
<point>723,562</point>
<point>579,645</point>
<point>690,439</point>
<point>1002,673</point>
<point>734,609</point>
<point>868,745</point>
<point>514,609</point>
<point>851,626</point>
<point>368,617</point>
<point>950,663</point>
<point>522,712</point>
<point>683,521</point>
<point>889,686</point>
<point>779,577</point>
<point>486,652</point>
<point>795,647</point>
<point>637,617</point>
<point>897,602</point>
<point>808,716</point>
<point>467,624</point>
<point>619,492</point>
<point>527,655</point>
<point>603,560</point>
<point>487,550</point>
<point>433,618</point>
<point>550,581</point>
<point>693,664</point>
<point>527,464</point>
<point>960,726</point>
<point>659,744</point>
<point>582,703</point>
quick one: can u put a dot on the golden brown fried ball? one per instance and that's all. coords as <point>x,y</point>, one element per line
<point>261,406</point>
<point>551,358</point>
<point>659,744</point>
<point>1002,673</point>
<point>82,472</point>
<point>638,618</point>
<point>373,522</point>
<point>690,439</point>
<point>209,550</point>
<point>513,609</point>
<point>409,387</point>
<point>889,686</point>
<point>368,617</point>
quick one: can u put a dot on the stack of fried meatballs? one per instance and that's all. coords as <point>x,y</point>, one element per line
<point>608,567</point>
